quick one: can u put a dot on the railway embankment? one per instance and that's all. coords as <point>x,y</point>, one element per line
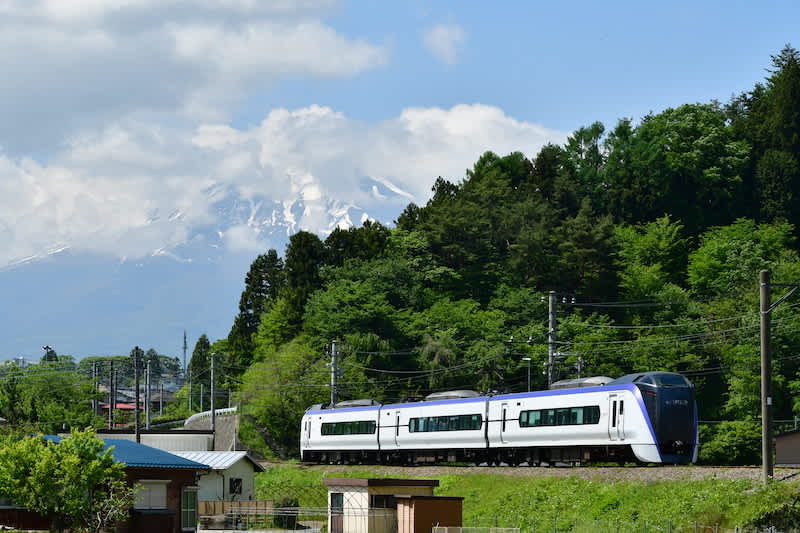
<point>585,498</point>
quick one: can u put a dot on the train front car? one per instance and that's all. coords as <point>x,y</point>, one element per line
<point>345,433</point>
<point>672,412</point>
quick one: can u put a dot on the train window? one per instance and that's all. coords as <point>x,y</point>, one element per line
<point>563,416</point>
<point>360,427</point>
<point>646,380</point>
<point>671,380</point>
<point>445,423</point>
<point>621,405</point>
<point>614,414</point>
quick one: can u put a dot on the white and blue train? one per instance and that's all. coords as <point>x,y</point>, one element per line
<point>650,417</point>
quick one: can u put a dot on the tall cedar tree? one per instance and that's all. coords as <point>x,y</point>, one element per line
<point>265,279</point>
<point>305,254</point>
<point>200,366</point>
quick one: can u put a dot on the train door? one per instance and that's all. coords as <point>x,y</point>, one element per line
<point>306,432</point>
<point>397,429</point>
<point>616,417</point>
<point>503,422</point>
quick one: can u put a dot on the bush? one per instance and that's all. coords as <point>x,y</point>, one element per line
<point>731,443</point>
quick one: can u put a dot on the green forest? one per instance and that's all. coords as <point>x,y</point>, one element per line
<point>651,233</point>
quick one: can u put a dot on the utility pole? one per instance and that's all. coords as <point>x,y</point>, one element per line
<point>136,355</point>
<point>161,399</point>
<point>201,397</point>
<point>766,308</point>
<point>147,396</point>
<point>551,337</point>
<point>528,359</point>
<point>213,404</point>
<point>190,394</point>
<point>112,398</point>
<point>96,386</point>
<point>185,370</point>
<point>334,371</point>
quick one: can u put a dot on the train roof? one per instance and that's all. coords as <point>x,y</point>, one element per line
<point>593,381</point>
<point>451,395</point>
<point>664,379</point>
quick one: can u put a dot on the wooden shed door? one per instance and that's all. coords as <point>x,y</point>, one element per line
<point>337,512</point>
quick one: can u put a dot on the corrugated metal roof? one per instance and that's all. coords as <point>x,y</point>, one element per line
<point>142,456</point>
<point>219,460</point>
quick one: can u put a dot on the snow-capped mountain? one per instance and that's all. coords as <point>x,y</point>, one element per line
<point>84,303</point>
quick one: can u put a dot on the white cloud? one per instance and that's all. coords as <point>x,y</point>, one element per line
<point>134,187</point>
<point>254,50</point>
<point>443,41</point>
<point>70,65</point>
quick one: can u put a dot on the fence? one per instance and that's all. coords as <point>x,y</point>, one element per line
<point>213,508</point>
<point>309,520</point>
<point>300,508</point>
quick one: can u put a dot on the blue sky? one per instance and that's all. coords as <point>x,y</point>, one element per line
<point>168,132</point>
<point>559,64</point>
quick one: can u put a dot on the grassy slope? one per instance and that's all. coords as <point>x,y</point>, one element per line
<point>534,503</point>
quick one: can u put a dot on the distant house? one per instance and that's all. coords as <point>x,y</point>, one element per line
<point>165,503</point>
<point>232,475</point>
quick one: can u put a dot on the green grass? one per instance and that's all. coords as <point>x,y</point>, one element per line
<point>537,503</point>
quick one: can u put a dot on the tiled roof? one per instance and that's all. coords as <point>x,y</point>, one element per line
<point>219,460</point>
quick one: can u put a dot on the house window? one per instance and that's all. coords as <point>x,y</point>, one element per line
<point>383,501</point>
<point>152,494</point>
<point>189,508</point>
<point>235,486</point>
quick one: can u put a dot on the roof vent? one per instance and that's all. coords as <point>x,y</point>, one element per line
<point>356,403</point>
<point>594,381</point>
<point>451,395</point>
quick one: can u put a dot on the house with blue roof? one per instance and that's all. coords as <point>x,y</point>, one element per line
<point>167,499</point>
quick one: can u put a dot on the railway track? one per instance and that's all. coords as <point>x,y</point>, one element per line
<point>600,473</point>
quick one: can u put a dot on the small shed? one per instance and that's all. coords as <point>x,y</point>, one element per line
<point>418,514</point>
<point>787,448</point>
<point>369,505</point>
<point>232,475</point>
